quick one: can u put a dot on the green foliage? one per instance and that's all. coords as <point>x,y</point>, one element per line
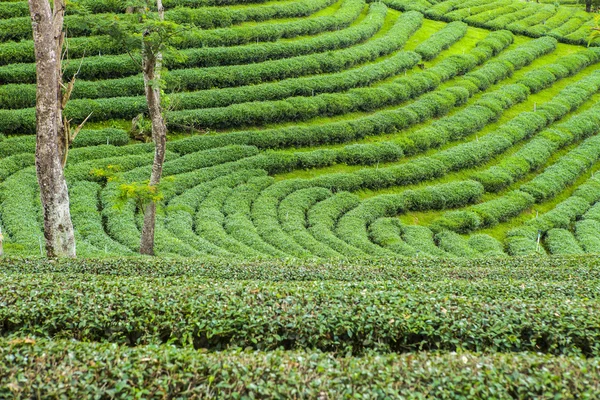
<point>595,31</point>
<point>142,194</point>
<point>18,28</point>
<point>167,372</point>
<point>344,191</point>
<point>313,314</point>
<point>441,40</point>
<point>567,24</point>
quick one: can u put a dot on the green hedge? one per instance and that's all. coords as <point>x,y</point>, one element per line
<point>552,318</point>
<point>403,88</point>
<point>72,369</point>
<point>364,99</point>
<point>18,8</point>
<point>587,233</point>
<point>523,240</point>
<point>353,226</point>
<point>558,176</point>
<point>123,107</point>
<point>293,218</point>
<point>562,241</point>
<point>455,244</point>
<point>322,218</point>
<point>533,268</point>
<point>83,197</point>
<point>298,108</point>
<point>529,157</point>
<point>115,66</point>
<point>208,219</point>
<point>441,40</point>
<point>19,96</point>
<point>538,151</point>
<point>567,24</point>
<point>19,28</point>
<point>386,232</point>
<point>22,52</point>
<point>204,102</point>
<point>85,138</point>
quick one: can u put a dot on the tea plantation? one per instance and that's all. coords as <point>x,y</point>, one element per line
<point>365,199</point>
<point>328,129</point>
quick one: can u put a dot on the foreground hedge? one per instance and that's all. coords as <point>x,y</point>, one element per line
<point>388,316</point>
<point>357,269</point>
<point>77,370</point>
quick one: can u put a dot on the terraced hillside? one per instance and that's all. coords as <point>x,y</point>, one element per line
<point>327,128</point>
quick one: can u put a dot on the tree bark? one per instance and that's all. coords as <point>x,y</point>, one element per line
<point>151,66</point>
<point>48,40</point>
<point>588,5</point>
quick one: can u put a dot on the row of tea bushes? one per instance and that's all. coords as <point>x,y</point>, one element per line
<point>22,52</point>
<point>115,66</point>
<point>19,28</point>
<point>555,318</point>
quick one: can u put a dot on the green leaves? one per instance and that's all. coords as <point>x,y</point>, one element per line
<point>595,31</point>
<point>480,314</point>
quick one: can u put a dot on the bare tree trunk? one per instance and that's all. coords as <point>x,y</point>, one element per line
<point>588,5</point>
<point>50,146</point>
<point>151,65</point>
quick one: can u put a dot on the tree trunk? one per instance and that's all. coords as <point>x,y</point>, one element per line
<point>48,40</point>
<point>588,5</point>
<point>151,65</point>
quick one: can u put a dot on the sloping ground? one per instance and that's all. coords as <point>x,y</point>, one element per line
<point>324,129</point>
<point>373,328</point>
<point>567,24</point>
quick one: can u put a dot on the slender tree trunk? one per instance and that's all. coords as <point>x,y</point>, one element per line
<point>588,5</point>
<point>48,39</point>
<point>151,65</point>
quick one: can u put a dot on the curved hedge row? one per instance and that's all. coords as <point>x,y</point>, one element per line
<point>528,158</point>
<point>298,108</point>
<point>22,52</point>
<point>567,24</point>
<point>110,67</point>
<point>113,91</point>
<point>19,28</point>
<point>363,99</point>
<point>526,124</point>
<point>18,8</point>
<point>523,240</point>
<point>210,77</point>
<point>441,40</point>
<point>305,86</point>
<point>378,123</point>
<point>353,226</point>
<point>535,153</point>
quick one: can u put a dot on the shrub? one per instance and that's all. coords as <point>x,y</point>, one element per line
<point>441,40</point>
<point>562,241</point>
